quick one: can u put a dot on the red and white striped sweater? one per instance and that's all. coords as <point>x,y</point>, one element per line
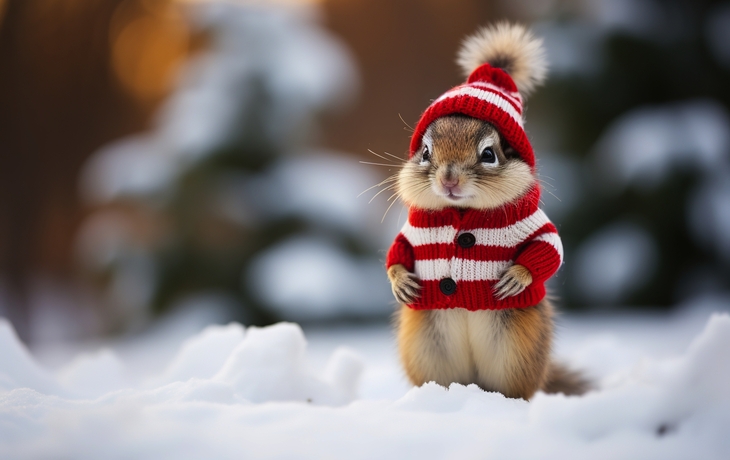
<point>473,248</point>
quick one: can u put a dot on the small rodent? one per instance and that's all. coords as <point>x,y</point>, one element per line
<point>470,264</point>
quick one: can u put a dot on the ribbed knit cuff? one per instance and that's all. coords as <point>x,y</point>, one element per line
<point>401,252</point>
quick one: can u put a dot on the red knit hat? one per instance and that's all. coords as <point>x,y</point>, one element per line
<point>501,62</point>
<point>489,95</point>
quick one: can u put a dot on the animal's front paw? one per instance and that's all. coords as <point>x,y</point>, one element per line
<point>406,288</point>
<point>514,280</point>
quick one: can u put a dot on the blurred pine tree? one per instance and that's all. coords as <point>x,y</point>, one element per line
<point>210,191</point>
<point>646,123</point>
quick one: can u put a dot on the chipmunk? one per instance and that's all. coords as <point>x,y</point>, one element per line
<point>469,265</point>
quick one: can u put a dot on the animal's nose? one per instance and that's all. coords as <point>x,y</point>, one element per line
<point>449,182</point>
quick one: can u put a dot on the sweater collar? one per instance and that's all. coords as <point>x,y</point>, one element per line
<point>475,218</point>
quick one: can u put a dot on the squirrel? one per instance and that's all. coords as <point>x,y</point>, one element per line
<point>469,265</point>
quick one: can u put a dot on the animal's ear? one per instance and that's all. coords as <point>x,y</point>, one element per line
<point>510,47</point>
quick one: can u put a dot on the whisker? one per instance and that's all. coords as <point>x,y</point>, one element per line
<point>554,195</point>
<point>400,214</point>
<point>401,160</point>
<point>386,211</point>
<point>391,196</point>
<point>385,158</point>
<point>380,164</point>
<point>421,190</point>
<point>390,187</point>
<point>544,182</point>
<point>389,179</point>
<point>405,123</point>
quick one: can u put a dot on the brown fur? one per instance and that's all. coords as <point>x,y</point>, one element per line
<point>500,350</point>
<point>563,380</point>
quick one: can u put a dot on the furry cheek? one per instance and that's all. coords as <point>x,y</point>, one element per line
<point>488,190</point>
<point>507,184</point>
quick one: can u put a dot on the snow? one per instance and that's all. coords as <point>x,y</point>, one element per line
<point>255,93</point>
<point>709,213</point>
<point>128,166</point>
<point>573,48</point>
<point>202,355</point>
<point>638,17</point>
<point>321,280</point>
<point>576,34</point>
<point>560,178</point>
<point>613,262</point>
<point>235,392</point>
<point>17,367</point>
<point>646,146</point>
<point>327,186</point>
<point>299,66</point>
<point>643,146</point>
<point>718,33</point>
<point>266,69</point>
<point>321,186</point>
<point>93,374</point>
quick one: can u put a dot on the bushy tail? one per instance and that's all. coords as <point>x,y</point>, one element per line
<point>563,380</point>
<point>510,47</point>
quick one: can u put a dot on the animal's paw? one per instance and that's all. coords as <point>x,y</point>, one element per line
<point>406,288</point>
<point>514,280</point>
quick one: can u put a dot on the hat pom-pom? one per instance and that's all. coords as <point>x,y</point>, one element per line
<point>510,47</point>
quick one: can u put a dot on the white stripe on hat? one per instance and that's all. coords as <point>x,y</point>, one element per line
<point>486,96</point>
<point>513,96</point>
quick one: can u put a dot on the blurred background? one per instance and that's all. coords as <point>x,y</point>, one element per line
<point>170,155</point>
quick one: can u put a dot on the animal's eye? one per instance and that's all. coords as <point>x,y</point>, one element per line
<point>426,157</point>
<point>488,156</point>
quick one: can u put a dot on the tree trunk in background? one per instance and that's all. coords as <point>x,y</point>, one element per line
<point>406,51</point>
<point>58,103</point>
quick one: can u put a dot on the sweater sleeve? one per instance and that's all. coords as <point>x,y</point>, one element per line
<point>542,255</point>
<point>401,252</point>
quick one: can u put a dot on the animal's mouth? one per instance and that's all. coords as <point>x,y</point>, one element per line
<point>453,194</point>
<point>450,195</point>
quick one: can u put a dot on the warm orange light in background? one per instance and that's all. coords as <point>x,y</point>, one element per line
<point>253,2</point>
<point>149,41</point>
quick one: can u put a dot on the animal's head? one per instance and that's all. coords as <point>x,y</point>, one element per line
<point>469,148</point>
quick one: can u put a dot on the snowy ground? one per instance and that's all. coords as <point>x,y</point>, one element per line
<point>181,391</point>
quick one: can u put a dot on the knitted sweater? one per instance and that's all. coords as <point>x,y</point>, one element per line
<point>460,254</point>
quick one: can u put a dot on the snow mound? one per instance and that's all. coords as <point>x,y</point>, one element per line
<point>680,396</point>
<point>269,365</point>
<point>232,392</point>
<point>204,354</point>
<point>253,365</point>
<point>94,374</point>
<point>17,368</point>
